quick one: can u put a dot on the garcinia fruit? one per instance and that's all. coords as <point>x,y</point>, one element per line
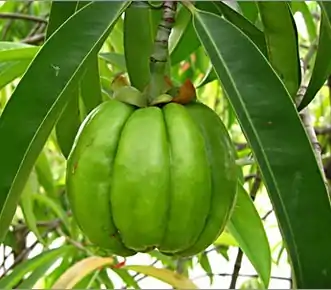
<point>153,177</point>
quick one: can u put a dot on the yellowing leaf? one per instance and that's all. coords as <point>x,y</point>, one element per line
<point>80,270</point>
<point>164,275</point>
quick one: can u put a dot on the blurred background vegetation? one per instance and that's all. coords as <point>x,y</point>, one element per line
<point>43,220</point>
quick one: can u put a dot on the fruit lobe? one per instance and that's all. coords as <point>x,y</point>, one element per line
<point>145,178</point>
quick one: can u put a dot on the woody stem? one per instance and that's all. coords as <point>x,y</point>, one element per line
<point>159,57</point>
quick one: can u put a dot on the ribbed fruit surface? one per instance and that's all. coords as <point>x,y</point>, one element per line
<point>139,179</point>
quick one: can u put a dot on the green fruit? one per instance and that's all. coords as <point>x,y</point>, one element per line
<point>145,178</point>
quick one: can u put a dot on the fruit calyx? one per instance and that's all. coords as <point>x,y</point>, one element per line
<point>125,93</point>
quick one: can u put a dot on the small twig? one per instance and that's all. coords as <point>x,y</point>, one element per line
<point>55,222</point>
<point>241,146</point>
<point>5,257</point>
<point>143,275</point>
<point>22,17</point>
<point>8,25</point>
<point>248,177</point>
<point>34,39</point>
<point>267,214</point>
<point>245,161</point>
<point>78,245</point>
<point>236,269</point>
<point>323,131</point>
<point>241,275</point>
<point>27,250</point>
<point>309,55</point>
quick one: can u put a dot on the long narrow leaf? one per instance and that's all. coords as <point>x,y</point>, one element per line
<point>322,66</point>
<point>302,7</point>
<point>27,266</point>
<point>26,122</point>
<point>246,227</point>
<point>69,121</point>
<point>279,142</point>
<point>282,41</point>
<point>183,39</point>
<point>14,60</point>
<point>27,205</point>
<point>80,270</point>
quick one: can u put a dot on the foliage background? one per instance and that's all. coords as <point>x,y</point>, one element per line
<point>38,222</point>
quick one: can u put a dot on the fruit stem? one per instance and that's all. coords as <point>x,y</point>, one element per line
<point>159,57</point>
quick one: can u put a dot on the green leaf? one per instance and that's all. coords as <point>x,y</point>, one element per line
<point>246,227</point>
<point>26,123</point>
<point>67,260</point>
<point>302,7</point>
<point>252,283</point>
<point>14,60</point>
<point>116,37</point>
<point>127,278</point>
<point>322,66</point>
<point>238,20</point>
<point>44,173</point>
<point>8,6</point>
<point>282,41</point>
<point>106,279</point>
<point>69,122</point>
<point>115,59</point>
<point>278,140</point>
<point>60,12</point>
<point>27,204</point>
<point>205,264</point>
<point>90,87</point>
<point>183,40</point>
<point>30,265</point>
<point>140,25</point>
<point>249,10</point>
<point>226,239</point>
<point>222,9</point>
<point>210,76</point>
<point>54,206</point>
<point>34,277</point>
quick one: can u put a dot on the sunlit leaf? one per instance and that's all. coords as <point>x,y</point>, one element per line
<point>226,239</point>
<point>79,270</point>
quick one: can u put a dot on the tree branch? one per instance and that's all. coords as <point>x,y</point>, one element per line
<point>27,250</point>
<point>242,275</point>
<point>34,39</point>
<point>19,16</point>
